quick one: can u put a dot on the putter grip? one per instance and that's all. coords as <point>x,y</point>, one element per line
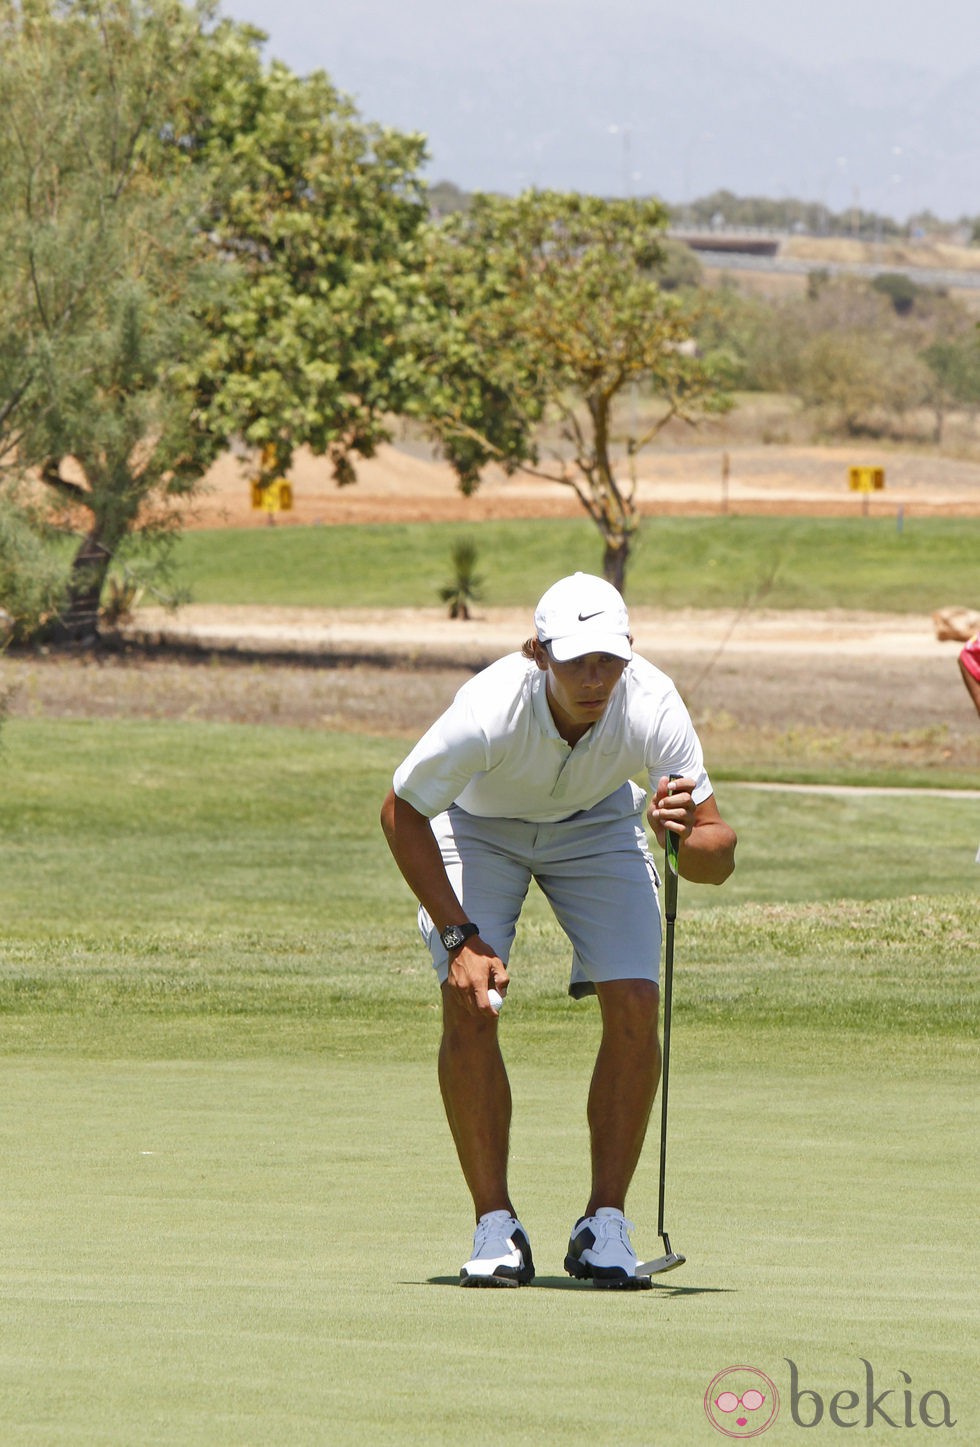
<point>671,848</point>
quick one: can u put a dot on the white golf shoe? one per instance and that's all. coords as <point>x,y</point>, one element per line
<point>501,1253</point>
<point>599,1248</point>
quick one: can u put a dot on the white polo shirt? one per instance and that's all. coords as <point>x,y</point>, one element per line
<point>497,753</point>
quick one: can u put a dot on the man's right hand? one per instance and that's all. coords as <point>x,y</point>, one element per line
<point>473,970</point>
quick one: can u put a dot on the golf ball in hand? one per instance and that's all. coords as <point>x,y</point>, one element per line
<point>496,1000</point>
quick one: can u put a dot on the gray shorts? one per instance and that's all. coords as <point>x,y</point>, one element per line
<point>595,869</point>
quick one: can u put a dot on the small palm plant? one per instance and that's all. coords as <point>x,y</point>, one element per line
<point>122,596</point>
<point>466,586</point>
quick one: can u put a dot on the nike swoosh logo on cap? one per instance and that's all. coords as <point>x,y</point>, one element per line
<point>584,617</point>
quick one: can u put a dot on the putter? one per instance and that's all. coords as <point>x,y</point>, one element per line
<point>670,1259</point>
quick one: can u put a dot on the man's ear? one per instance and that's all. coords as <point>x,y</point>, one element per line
<point>541,656</point>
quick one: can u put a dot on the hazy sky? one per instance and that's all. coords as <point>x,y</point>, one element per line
<point>937,35</point>
<point>798,97</point>
<point>942,35</point>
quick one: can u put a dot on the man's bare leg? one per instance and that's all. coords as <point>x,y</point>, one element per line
<point>476,1094</point>
<point>624,1085</point>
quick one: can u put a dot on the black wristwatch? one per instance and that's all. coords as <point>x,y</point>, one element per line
<point>455,935</point>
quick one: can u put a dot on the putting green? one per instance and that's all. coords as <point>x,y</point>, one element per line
<point>265,1251</point>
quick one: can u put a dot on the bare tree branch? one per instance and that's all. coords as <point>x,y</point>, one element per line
<point>50,473</point>
<point>12,402</point>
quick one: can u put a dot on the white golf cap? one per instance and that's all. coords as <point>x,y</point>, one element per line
<point>583,614</point>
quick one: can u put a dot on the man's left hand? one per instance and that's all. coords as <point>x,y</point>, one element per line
<point>708,855</point>
<point>672,804</point>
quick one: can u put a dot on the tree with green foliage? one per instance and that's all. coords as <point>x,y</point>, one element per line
<point>859,380</point>
<point>853,358</point>
<point>901,290</point>
<point>953,360</point>
<point>547,310</point>
<point>759,338</point>
<point>322,212</point>
<point>193,246</point>
<point>445,197</point>
<point>102,271</point>
<point>723,208</point>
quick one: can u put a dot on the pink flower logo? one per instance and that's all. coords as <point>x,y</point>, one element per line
<point>741,1402</point>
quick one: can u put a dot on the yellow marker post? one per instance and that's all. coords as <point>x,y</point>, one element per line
<point>275,497</point>
<point>865,480</point>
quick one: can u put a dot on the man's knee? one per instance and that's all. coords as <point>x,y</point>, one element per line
<point>631,1006</point>
<point>462,1027</point>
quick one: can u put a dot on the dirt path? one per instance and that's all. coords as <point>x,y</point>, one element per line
<point>427,635</point>
<point>860,790</point>
<point>401,486</point>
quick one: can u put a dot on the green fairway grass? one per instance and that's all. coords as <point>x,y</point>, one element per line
<point>714,562</point>
<point>179,1244</point>
<point>231,1213</point>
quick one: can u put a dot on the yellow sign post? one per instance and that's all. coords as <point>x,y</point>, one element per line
<point>275,497</point>
<point>865,480</point>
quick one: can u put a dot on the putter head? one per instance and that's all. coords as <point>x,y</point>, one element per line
<point>669,1262</point>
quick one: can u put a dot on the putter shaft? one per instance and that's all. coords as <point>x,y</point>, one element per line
<point>670,1259</point>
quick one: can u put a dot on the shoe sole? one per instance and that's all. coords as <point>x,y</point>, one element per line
<point>605,1278</point>
<point>515,1279</point>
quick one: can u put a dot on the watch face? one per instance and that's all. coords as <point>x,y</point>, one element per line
<point>455,935</point>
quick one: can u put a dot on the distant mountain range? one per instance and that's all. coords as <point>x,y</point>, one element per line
<point>510,99</point>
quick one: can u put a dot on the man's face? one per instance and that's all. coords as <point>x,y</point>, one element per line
<point>579,690</point>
